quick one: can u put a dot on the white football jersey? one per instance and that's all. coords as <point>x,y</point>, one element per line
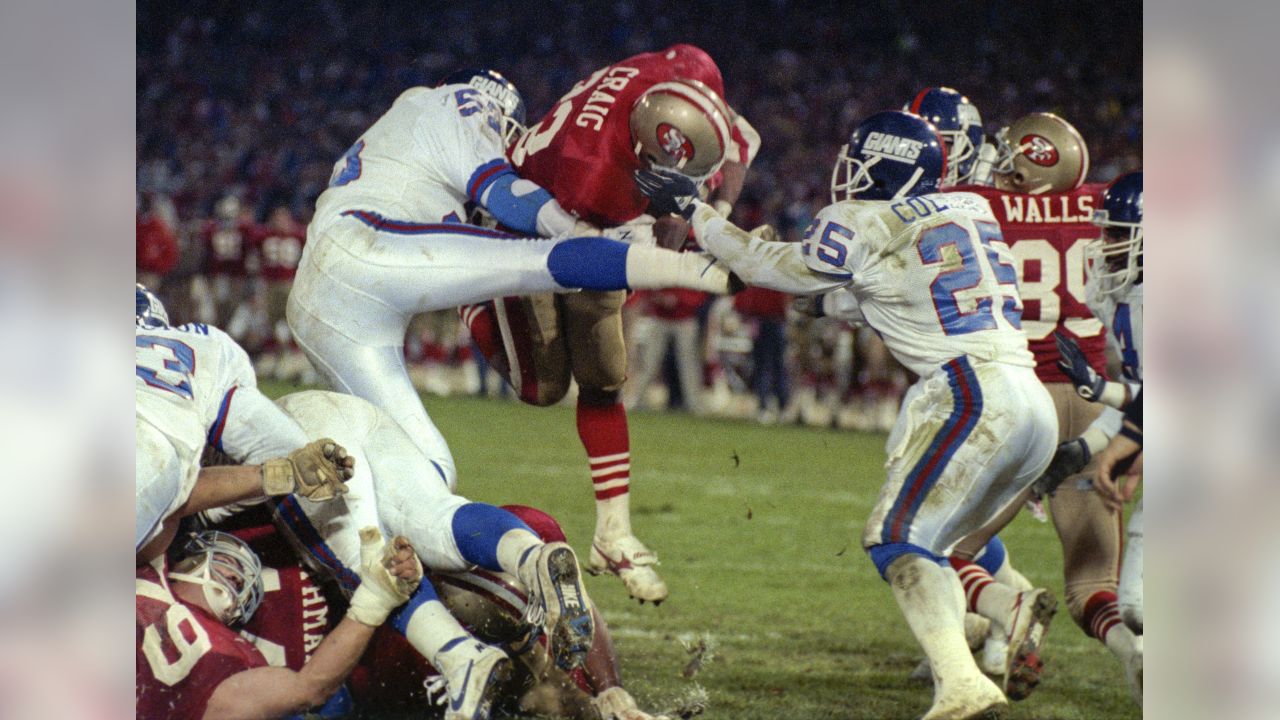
<point>183,376</point>
<point>419,160</point>
<point>931,274</point>
<point>1122,314</point>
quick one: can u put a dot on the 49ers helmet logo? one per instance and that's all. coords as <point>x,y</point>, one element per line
<point>673,142</point>
<point>1039,150</point>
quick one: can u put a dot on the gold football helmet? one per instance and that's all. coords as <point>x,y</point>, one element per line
<point>681,125</point>
<point>1040,153</point>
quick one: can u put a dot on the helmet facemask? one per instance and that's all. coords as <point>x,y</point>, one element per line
<point>228,572</point>
<point>960,149</point>
<point>1114,260</point>
<point>852,175</point>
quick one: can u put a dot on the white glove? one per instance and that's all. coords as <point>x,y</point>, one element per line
<point>380,592</point>
<point>617,704</point>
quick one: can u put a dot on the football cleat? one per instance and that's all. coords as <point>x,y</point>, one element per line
<point>629,559</point>
<point>558,603</point>
<point>976,698</point>
<point>1133,671</point>
<point>475,674</point>
<point>1027,626</point>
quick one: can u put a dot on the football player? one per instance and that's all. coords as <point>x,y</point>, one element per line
<point>387,242</point>
<point>194,386</point>
<point>931,273</point>
<point>192,664</point>
<point>399,488</point>
<point>1046,214</point>
<point>1115,295</point>
<point>655,111</point>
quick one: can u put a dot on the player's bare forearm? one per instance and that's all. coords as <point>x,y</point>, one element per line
<point>220,485</point>
<point>270,692</point>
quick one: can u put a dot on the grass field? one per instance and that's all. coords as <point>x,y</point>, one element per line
<point>757,528</point>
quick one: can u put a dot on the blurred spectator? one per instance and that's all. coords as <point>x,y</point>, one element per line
<point>278,245</point>
<point>157,246</point>
<point>667,319</point>
<point>227,242</point>
<point>770,377</point>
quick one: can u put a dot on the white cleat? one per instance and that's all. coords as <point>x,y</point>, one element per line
<point>1028,625</point>
<point>976,698</point>
<point>558,602</point>
<point>629,559</point>
<point>475,675</point>
<point>1133,671</point>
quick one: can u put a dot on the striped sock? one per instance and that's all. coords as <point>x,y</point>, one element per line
<point>603,431</point>
<point>983,594</point>
<point>1101,615</point>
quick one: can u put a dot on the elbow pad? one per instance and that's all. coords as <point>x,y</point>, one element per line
<point>515,203</point>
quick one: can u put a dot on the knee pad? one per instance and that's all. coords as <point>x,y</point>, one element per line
<point>884,555</point>
<point>591,263</point>
<point>992,555</point>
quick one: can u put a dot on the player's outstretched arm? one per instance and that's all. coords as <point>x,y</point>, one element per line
<point>389,574</point>
<point>775,265</point>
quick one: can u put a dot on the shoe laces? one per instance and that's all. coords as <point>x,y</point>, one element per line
<point>437,689</point>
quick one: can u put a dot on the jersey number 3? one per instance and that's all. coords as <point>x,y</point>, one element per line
<point>969,275</point>
<point>177,362</point>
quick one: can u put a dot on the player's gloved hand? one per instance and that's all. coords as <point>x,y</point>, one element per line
<point>1089,384</point>
<point>389,574</point>
<point>669,192</point>
<point>1069,459</point>
<point>810,305</point>
<point>616,703</point>
<point>316,471</point>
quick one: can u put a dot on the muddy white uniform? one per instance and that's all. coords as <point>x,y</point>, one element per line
<point>1122,314</point>
<point>933,277</point>
<point>396,488</point>
<point>195,386</point>
<point>387,242</point>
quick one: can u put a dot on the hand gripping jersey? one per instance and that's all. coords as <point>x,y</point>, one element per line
<point>183,652</point>
<point>931,274</point>
<point>582,151</point>
<point>433,151</point>
<point>1047,234</point>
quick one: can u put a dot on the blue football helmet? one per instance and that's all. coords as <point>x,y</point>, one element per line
<point>890,155</point>
<point>149,311</point>
<point>959,124</point>
<point>1115,258</point>
<point>501,90</point>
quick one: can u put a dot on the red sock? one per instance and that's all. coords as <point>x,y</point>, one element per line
<point>481,320</point>
<point>603,431</point>
<point>483,326</point>
<point>1101,614</point>
<point>973,578</point>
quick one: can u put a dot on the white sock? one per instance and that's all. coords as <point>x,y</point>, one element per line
<point>654,267</point>
<point>988,598</point>
<point>431,628</point>
<point>929,598</point>
<point>1007,575</point>
<point>512,547</point>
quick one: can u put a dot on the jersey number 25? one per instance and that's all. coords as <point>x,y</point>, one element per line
<point>970,274</point>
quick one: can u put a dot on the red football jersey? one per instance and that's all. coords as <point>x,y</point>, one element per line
<point>183,652</point>
<point>226,248</point>
<point>279,252</point>
<point>292,620</point>
<point>581,152</point>
<point>1048,234</point>
<point>157,247</point>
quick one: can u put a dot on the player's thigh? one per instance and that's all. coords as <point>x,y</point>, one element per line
<point>954,467</point>
<point>1075,414</point>
<point>414,496</point>
<point>597,350</point>
<point>534,342</point>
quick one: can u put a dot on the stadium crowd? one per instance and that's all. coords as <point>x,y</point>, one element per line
<point>242,115</point>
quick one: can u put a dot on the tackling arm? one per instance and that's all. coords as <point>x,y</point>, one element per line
<point>775,265</point>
